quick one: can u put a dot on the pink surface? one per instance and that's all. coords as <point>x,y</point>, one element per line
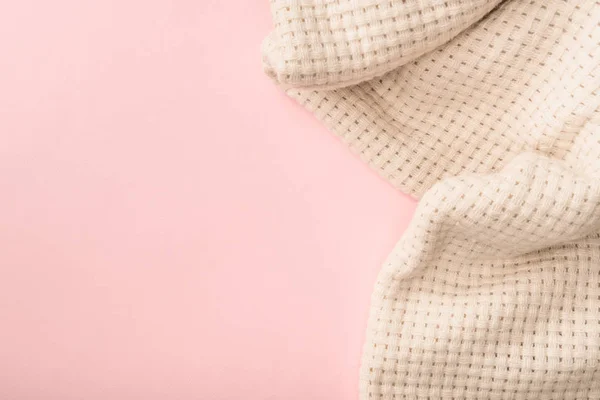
<point>171,225</point>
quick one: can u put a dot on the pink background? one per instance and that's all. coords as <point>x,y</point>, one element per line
<point>171,225</point>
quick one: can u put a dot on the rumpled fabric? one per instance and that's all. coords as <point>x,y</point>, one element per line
<point>488,112</point>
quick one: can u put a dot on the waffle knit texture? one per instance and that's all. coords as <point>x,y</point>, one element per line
<point>489,112</point>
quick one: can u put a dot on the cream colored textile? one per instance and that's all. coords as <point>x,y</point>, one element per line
<point>489,112</point>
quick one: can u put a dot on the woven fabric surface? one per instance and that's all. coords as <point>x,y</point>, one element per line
<point>489,113</point>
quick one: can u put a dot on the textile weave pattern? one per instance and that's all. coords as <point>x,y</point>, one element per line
<point>489,113</point>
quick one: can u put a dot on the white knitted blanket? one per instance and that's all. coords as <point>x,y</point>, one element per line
<point>489,112</point>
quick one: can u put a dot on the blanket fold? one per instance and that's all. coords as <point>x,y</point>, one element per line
<point>328,44</point>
